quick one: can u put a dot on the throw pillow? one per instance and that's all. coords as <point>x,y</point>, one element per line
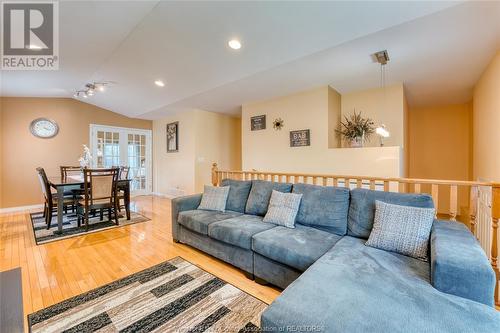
<point>402,229</point>
<point>283,208</point>
<point>214,198</point>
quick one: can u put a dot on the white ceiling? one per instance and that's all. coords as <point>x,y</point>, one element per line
<point>438,49</point>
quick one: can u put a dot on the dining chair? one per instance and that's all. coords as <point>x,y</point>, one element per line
<point>69,171</point>
<point>50,204</point>
<point>124,174</point>
<point>99,193</point>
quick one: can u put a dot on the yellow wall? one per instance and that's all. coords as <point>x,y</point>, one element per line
<point>440,142</point>
<point>486,122</point>
<point>440,147</point>
<point>269,149</point>
<point>204,138</point>
<point>22,152</point>
<point>383,106</point>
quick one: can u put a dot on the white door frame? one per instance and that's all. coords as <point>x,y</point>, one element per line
<point>93,128</point>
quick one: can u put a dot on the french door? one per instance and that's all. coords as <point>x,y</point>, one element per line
<point>120,146</point>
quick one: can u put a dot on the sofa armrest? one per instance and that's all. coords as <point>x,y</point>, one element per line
<point>180,204</point>
<point>459,265</point>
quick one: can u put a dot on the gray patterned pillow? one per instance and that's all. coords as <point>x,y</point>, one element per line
<point>402,229</point>
<point>283,208</point>
<point>214,198</point>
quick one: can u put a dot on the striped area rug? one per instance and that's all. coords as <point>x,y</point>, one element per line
<point>174,296</point>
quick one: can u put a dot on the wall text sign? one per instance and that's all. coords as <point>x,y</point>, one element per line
<point>258,123</point>
<point>300,138</point>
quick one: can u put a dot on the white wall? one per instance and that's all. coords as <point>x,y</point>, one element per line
<point>269,150</point>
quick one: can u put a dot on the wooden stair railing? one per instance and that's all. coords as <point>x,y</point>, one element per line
<point>454,200</point>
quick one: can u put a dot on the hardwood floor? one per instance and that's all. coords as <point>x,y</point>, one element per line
<point>59,270</point>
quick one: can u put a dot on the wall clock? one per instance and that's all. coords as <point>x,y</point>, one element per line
<point>44,128</point>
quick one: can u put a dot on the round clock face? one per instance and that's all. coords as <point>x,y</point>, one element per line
<point>44,128</point>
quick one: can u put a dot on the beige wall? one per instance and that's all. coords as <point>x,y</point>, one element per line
<point>204,138</point>
<point>174,173</point>
<point>334,117</point>
<point>383,106</point>
<point>269,149</point>
<point>218,139</point>
<point>486,120</point>
<point>22,152</point>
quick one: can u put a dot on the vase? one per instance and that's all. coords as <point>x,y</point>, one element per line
<point>357,142</point>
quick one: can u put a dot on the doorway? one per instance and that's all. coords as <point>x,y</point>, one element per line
<point>120,146</point>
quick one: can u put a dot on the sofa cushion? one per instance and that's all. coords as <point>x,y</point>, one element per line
<point>362,208</point>
<point>258,200</point>
<point>459,265</point>
<point>298,248</point>
<point>238,194</point>
<point>214,198</point>
<point>402,229</point>
<point>283,208</point>
<point>323,207</point>
<point>198,220</point>
<point>238,230</point>
<point>356,288</point>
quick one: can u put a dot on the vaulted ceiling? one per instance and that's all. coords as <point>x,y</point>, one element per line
<point>438,49</point>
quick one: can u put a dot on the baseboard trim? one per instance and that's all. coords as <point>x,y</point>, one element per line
<point>20,208</point>
<point>163,195</point>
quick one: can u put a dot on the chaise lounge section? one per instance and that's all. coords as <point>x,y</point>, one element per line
<point>333,282</point>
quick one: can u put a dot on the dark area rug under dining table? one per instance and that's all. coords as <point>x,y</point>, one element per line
<point>71,229</point>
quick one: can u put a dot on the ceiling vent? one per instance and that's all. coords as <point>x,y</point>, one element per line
<point>382,57</point>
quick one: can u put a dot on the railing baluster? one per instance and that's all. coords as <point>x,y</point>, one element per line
<point>473,208</point>
<point>435,196</point>
<point>453,202</point>
<point>416,188</point>
<point>495,214</point>
<point>372,184</point>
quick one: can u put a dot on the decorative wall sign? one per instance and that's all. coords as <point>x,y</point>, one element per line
<point>258,123</point>
<point>278,124</point>
<point>300,138</point>
<point>173,137</point>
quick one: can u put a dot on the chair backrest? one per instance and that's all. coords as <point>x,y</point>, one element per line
<point>124,171</point>
<point>100,184</point>
<point>69,170</point>
<point>44,183</point>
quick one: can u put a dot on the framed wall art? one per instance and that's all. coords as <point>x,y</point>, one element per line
<point>173,137</point>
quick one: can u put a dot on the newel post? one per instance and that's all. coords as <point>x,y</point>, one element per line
<point>215,178</point>
<point>495,214</point>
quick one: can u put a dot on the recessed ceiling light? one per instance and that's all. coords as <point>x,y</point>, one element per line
<point>234,44</point>
<point>160,83</point>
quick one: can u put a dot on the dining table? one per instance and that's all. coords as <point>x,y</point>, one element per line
<point>61,184</point>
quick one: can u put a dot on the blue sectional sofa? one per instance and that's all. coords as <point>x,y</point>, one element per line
<point>333,282</point>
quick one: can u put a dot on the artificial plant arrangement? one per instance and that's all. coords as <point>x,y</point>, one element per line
<point>355,129</point>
